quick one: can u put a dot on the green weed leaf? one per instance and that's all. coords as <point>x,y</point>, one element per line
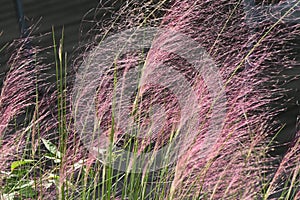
<point>19,163</point>
<point>52,148</point>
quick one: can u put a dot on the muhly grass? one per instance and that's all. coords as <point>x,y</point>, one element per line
<point>216,123</point>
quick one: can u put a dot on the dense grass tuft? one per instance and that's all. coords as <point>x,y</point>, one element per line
<point>168,100</point>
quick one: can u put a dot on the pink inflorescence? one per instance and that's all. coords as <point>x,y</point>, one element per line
<point>221,116</point>
<point>250,54</point>
<point>18,92</point>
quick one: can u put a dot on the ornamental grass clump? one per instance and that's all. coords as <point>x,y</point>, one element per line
<point>250,55</point>
<point>168,100</point>
<point>251,49</point>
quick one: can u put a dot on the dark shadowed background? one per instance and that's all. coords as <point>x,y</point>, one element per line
<point>76,16</point>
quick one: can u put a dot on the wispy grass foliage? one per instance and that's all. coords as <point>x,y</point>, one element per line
<point>46,155</point>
